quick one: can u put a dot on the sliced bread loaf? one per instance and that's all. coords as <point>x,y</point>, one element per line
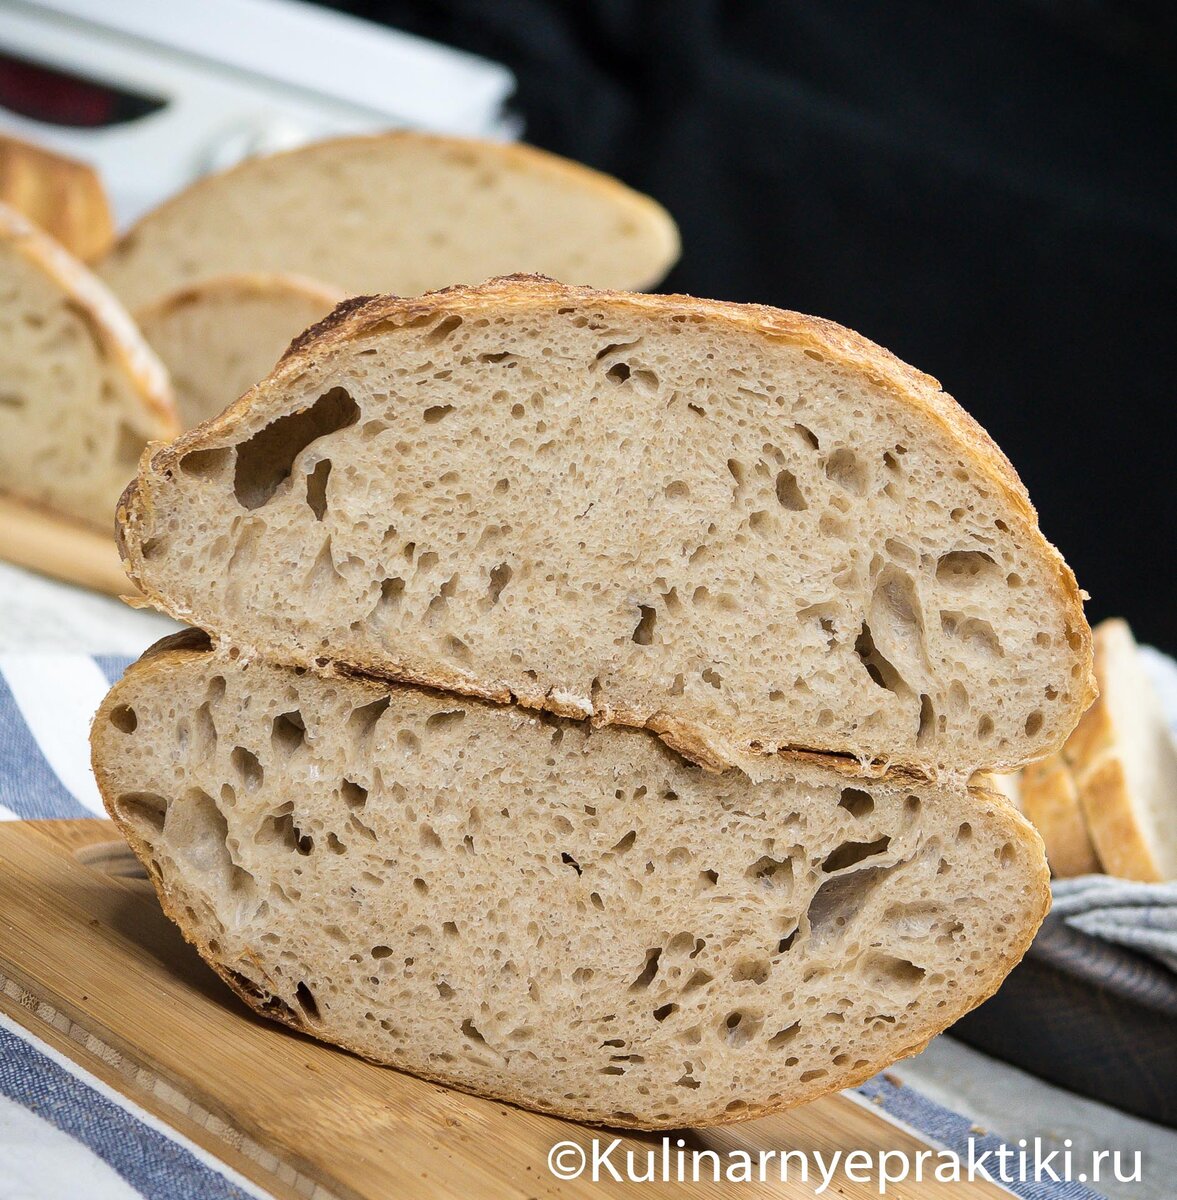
<point>398,212</point>
<point>60,195</point>
<point>573,919</point>
<point>1125,764</point>
<point>745,529</point>
<point>1050,801</point>
<point>219,336</point>
<point>81,394</point>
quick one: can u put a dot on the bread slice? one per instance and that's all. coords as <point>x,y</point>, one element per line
<point>1125,764</point>
<point>219,336</point>
<point>1050,800</point>
<point>81,393</point>
<point>60,195</point>
<point>398,212</point>
<point>575,920</point>
<point>744,529</point>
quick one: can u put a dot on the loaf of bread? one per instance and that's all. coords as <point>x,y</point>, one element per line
<point>219,336</point>
<point>570,918</point>
<point>1050,801</point>
<point>398,212</point>
<point>746,530</point>
<point>1124,762</point>
<point>81,393</point>
<point>60,195</point>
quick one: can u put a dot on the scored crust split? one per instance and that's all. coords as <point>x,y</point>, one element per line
<point>744,529</point>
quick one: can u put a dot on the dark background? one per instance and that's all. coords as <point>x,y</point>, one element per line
<point>986,188</point>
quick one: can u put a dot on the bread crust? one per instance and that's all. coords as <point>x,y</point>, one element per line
<point>359,317</point>
<point>519,155</point>
<point>245,284</point>
<point>61,195</point>
<point>109,325</point>
<point>177,649</point>
<point>1050,799</point>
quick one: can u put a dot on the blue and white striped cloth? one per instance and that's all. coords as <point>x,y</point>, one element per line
<point>65,1135</point>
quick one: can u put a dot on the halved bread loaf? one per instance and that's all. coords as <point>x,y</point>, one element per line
<point>81,393</point>
<point>745,529</point>
<point>573,919</point>
<point>60,195</point>
<point>398,212</point>
<point>219,336</point>
<point>1125,764</point>
<point>1050,801</point>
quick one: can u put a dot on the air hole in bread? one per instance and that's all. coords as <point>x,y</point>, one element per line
<point>841,898</point>
<point>246,764</point>
<point>966,568</point>
<point>265,461</point>
<point>648,971</point>
<point>142,810</point>
<point>850,853</point>
<point>788,493</point>
<point>927,722</point>
<point>771,872</point>
<point>643,633</point>
<point>752,970</point>
<point>882,970</point>
<point>317,488</point>
<point>500,576</point>
<point>307,1002</point>
<point>354,795</point>
<point>436,412</point>
<point>123,718</point>
<point>362,721</point>
<point>288,732</point>
<point>740,1027</point>
<point>1034,722</point>
<point>878,667</point>
<point>856,802</point>
<point>206,464</point>
<point>844,468</point>
<point>663,1011</point>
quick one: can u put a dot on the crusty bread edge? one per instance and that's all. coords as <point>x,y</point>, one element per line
<point>1093,754</point>
<point>82,221</point>
<point>361,316</point>
<point>1050,801</point>
<point>110,325</point>
<point>175,649</point>
<point>243,283</point>
<point>661,226</point>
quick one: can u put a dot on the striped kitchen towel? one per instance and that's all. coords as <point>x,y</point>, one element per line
<point>63,1133</point>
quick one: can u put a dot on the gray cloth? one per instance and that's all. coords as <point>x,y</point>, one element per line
<point>1137,916</point>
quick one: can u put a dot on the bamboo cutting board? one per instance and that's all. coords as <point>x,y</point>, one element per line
<point>89,963</point>
<point>34,538</point>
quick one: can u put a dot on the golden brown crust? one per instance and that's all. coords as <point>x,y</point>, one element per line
<point>518,154</point>
<point>1118,838</point>
<point>61,195</point>
<point>177,649</point>
<point>359,317</point>
<point>1050,800</point>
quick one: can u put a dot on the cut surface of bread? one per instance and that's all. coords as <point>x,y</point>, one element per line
<point>742,528</point>
<point>219,336</point>
<point>1050,801</point>
<point>399,212</point>
<point>60,195</point>
<point>1125,764</point>
<point>81,394</point>
<point>570,918</point>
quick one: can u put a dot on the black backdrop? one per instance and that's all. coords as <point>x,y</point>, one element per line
<point>987,188</point>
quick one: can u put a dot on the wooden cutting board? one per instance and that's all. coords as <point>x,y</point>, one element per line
<point>89,963</point>
<point>34,538</point>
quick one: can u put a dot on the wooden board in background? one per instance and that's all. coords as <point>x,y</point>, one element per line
<point>34,538</point>
<point>89,963</point>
